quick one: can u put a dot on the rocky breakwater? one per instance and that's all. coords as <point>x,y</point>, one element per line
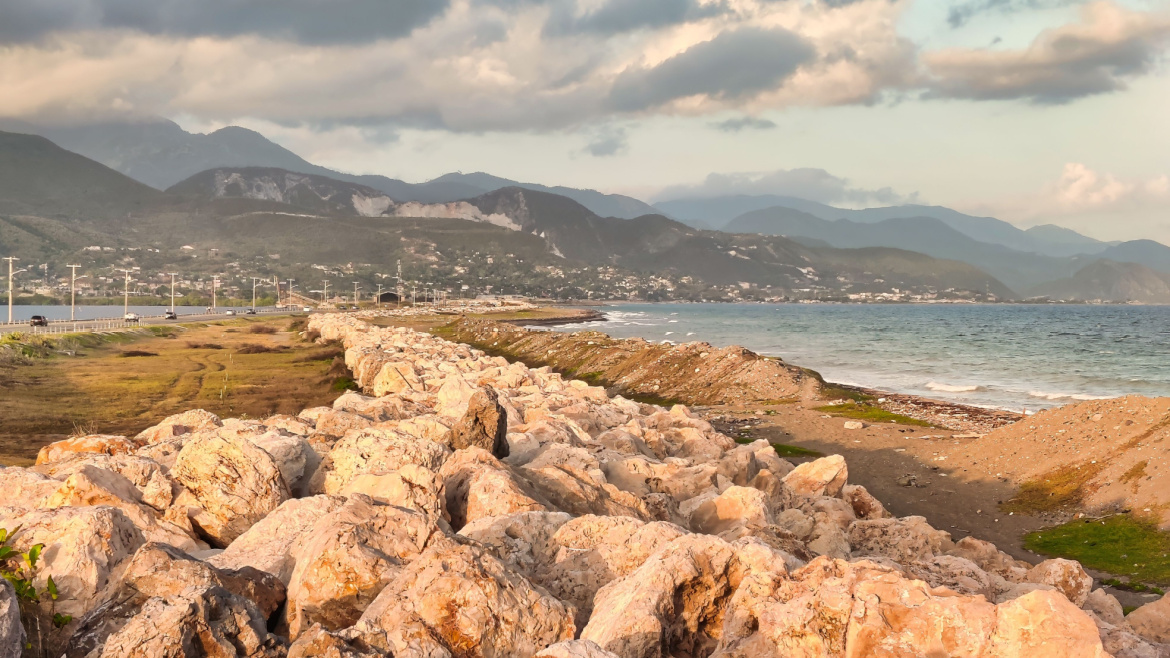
<point>470,507</point>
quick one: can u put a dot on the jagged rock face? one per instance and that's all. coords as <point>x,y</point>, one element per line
<point>641,530</point>
<point>485,425</point>
<point>1152,620</point>
<point>12,635</point>
<point>231,484</point>
<point>101,444</point>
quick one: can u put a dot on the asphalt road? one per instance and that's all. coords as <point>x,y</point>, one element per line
<point>66,326</point>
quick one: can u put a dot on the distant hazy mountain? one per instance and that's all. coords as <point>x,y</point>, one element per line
<point>1153,255</point>
<point>719,211</point>
<point>161,154</point>
<point>1107,280</point>
<point>313,193</point>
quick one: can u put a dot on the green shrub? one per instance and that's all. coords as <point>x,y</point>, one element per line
<point>18,568</point>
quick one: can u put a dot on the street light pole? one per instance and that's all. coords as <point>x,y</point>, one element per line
<point>378,299</point>
<point>290,292</point>
<point>254,280</point>
<point>11,260</point>
<point>172,274</point>
<point>355,293</point>
<point>126,293</point>
<point>72,291</point>
<point>214,289</point>
<point>325,292</point>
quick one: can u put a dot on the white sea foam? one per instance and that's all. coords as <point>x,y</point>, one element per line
<point>1047,395</point>
<point>953,388</point>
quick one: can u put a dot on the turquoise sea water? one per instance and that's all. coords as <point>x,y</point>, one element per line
<point>1008,356</point>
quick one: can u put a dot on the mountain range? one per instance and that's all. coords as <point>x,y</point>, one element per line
<point>240,164</point>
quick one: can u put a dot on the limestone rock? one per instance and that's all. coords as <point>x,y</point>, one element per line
<point>347,558</point>
<point>823,477</point>
<point>188,422</point>
<point>671,605</point>
<point>1044,624</point>
<point>273,544</point>
<point>295,458</point>
<point>200,621</point>
<point>523,541</point>
<point>21,487</point>
<point>864,505</point>
<point>737,507</point>
<point>1067,576</point>
<point>478,485</point>
<point>102,444</point>
<point>317,642</point>
<point>903,540</point>
<point>413,487</point>
<point>1106,606</point>
<point>146,475</point>
<point>575,649</point>
<point>232,482</point>
<point>396,378</point>
<point>375,451</point>
<point>485,425</point>
<point>12,635</point>
<point>453,397</point>
<point>460,599</point>
<point>336,424</point>
<point>955,573</point>
<point>1152,620</point>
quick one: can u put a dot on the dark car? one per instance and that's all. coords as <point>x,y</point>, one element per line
<point>38,321</point>
<point>250,311</point>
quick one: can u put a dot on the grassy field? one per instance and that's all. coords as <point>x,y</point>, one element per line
<point>123,383</point>
<point>1122,545</point>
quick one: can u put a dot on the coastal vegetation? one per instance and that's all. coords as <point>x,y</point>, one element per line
<point>1124,545</point>
<point>869,413</point>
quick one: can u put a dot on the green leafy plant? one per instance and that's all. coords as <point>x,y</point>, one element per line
<point>19,568</point>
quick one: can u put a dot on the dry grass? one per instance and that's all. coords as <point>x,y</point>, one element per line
<point>101,391</point>
<point>1061,489</point>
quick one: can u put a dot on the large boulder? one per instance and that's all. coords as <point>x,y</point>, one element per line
<point>12,635</point>
<point>1067,576</point>
<point>460,599</point>
<point>199,621</point>
<point>1044,624</point>
<point>375,451</point>
<point>347,558</point>
<point>413,487</point>
<point>477,485</point>
<point>294,456</point>
<point>485,425</point>
<point>230,483</point>
<point>317,642</point>
<point>902,540</point>
<point>181,424</point>
<point>822,477</point>
<point>575,649</point>
<point>273,544</point>
<point>147,475</point>
<point>101,444</point>
<point>1152,620</point>
<point>21,487</point>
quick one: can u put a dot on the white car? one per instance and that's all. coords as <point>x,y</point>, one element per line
<point>229,312</point>
<point>130,317</point>
<point>307,309</point>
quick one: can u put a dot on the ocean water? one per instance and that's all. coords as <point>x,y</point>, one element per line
<point>1017,357</point>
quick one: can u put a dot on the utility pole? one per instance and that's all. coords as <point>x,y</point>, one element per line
<point>291,301</point>
<point>276,282</point>
<point>11,260</point>
<point>399,279</point>
<point>214,289</point>
<point>378,299</point>
<point>254,280</point>
<point>325,293</point>
<point>172,275</point>
<point>126,293</point>
<point>72,291</point>
<point>355,293</point>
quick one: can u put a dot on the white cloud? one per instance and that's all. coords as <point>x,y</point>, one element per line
<point>806,183</point>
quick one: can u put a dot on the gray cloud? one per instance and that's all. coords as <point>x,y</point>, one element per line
<point>1061,65</point>
<point>806,183</point>
<point>959,14</point>
<point>608,142</point>
<point>740,124</point>
<point>733,65</point>
<point>617,16</point>
<point>306,21</point>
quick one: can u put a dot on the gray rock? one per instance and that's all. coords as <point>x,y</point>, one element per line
<point>485,425</point>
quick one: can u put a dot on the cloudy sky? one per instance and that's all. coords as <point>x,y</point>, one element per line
<point>1035,111</point>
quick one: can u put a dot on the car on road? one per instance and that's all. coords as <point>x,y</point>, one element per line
<point>170,315</point>
<point>38,321</point>
<point>130,317</point>
<point>229,312</point>
<point>250,311</point>
<point>307,309</point>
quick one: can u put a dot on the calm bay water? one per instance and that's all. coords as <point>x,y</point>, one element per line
<point>1009,356</point>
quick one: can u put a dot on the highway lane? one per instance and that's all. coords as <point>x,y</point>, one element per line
<point>112,324</point>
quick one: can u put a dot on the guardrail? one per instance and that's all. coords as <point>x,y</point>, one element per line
<point>110,324</point>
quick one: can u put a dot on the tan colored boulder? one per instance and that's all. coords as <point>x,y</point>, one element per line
<point>864,505</point>
<point>735,508</point>
<point>902,540</point>
<point>484,425</point>
<point>1067,576</point>
<point>317,642</point>
<point>575,649</point>
<point>294,456</point>
<point>289,424</point>
<point>459,598</point>
<point>147,475</point>
<point>200,621</point>
<point>84,548</point>
<point>453,397</point>
<point>823,477</point>
<point>12,635</point>
<point>671,605</point>
<point>272,545</point>
<point>375,451</point>
<point>347,557</point>
<point>21,487</point>
<point>957,574</point>
<point>159,570</point>
<point>990,559</point>
<point>478,485</point>
<point>1044,624</point>
<point>102,444</point>
<point>413,487</point>
<point>188,422</point>
<point>396,378</point>
<point>1152,620</point>
<point>523,541</point>
<point>1120,642</point>
<point>336,424</point>
<point>1105,605</point>
<point>232,484</point>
